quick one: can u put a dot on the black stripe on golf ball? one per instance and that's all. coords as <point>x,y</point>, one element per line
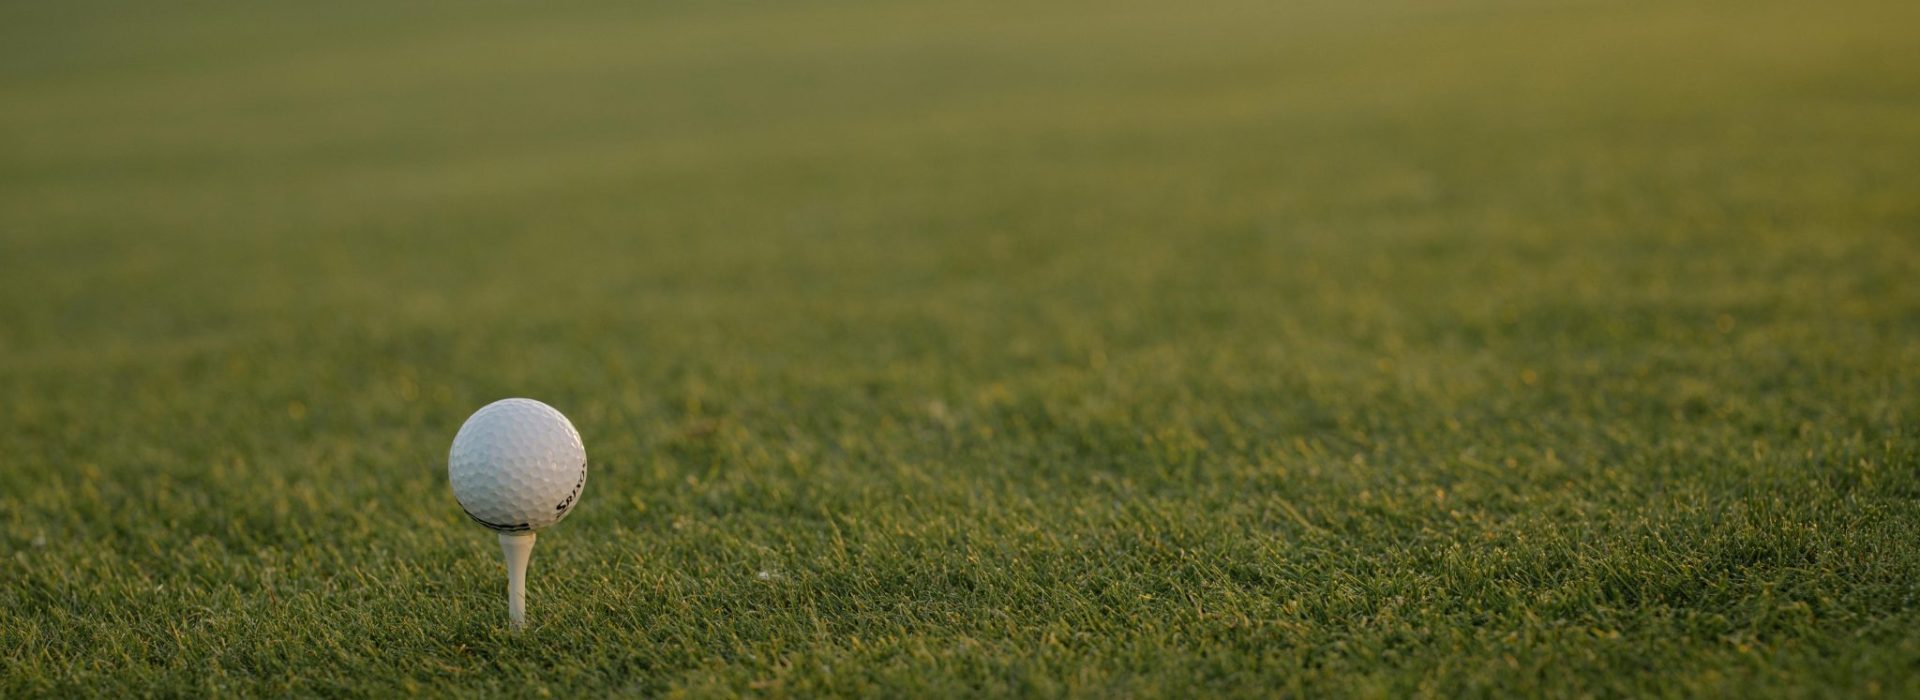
<point>522,527</point>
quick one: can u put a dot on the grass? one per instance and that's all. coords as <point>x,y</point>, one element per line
<point>936,349</point>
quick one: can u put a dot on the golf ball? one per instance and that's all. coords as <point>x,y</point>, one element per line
<point>517,465</point>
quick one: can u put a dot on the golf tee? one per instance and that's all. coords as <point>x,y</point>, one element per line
<point>518,548</point>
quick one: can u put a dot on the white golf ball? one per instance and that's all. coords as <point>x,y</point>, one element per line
<point>517,465</point>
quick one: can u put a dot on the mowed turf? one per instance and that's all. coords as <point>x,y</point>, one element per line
<point>940,349</point>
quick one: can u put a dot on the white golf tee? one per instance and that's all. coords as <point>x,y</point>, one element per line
<point>518,548</point>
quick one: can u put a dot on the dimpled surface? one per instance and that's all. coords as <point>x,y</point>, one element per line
<point>517,465</point>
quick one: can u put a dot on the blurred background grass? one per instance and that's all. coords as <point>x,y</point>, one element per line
<point>1096,348</point>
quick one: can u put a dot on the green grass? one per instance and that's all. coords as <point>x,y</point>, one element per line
<point>1095,349</point>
